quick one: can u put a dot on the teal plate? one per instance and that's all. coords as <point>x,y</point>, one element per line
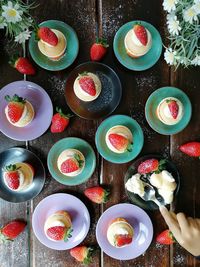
<point>144,62</point>
<point>151,106</point>
<point>70,53</point>
<point>84,148</point>
<point>134,127</point>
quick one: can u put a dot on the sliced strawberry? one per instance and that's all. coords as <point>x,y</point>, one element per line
<point>87,84</point>
<point>141,33</point>
<point>71,164</point>
<point>192,149</point>
<point>60,121</point>
<point>173,108</point>
<point>82,254</point>
<point>165,238</point>
<point>11,230</point>
<point>122,240</point>
<point>47,35</point>
<point>15,107</point>
<point>120,142</point>
<point>98,50</point>
<point>12,176</point>
<point>97,194</point>
<point>22,64</point>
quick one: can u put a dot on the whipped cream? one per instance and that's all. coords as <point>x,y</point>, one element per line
<point>135,185</point>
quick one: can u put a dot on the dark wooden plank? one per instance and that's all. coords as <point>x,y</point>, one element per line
<point>137,86</point>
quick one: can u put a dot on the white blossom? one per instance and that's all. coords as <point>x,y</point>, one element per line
<point>197,6</point>
<point>170,56</point>
<point>170,5</point>
<point>196,61</point>
<point>173,25</point>
<point>190,14</point>
<point>23,36</point>
<point>11,12</point>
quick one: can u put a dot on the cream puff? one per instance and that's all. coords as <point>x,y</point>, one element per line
<point>138,41</point>
<point>19,112</point>
<point>170,111</point>
<point>87,86</point>
<point>71,162</point>
<point>58,226</point>
<point>120,233</point>
<point>119,139</point>
<point>18,176</point>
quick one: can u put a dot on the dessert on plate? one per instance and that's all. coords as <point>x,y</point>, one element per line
<point>138,41</point>
<point>170,111</point>
<point>19,111</point>
<point>18,176</point>
<point>119,139</point>
<point>71,162</point>
<point>52,43</point>
<point>87,86</point>
<point>120,233</point>
<point>58,226</point>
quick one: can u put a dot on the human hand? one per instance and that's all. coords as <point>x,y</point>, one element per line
<point>186,230</point>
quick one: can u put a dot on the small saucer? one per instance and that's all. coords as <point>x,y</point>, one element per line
<point>141,223</point>
<point>136,199</point>
<point>151,106</point>
<point>14,155</point>
<point>107,101</point>
<point>144,62</point>
<point>134,127</point>
<point>71,50</point>
<point>42,106</point>
<point>84,148</point>
<point>79,215</point>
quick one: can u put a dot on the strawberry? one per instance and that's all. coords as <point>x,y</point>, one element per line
<point>173,108</point>
<point>59,233</point>
<point>11,230</point>
<point>23,65</point>
<point>97,194</point>
<point>192,149</point>
<point>141,33</point>
<point>82,254</point>
<point>151,165</point>
<point>120,142</point>
<point>12,176</point>
<point>59,121</point>
<point>71,164</point>
<point>98,50</point>
<point>122,240</point>
<point>47,35</point>
<point>15,107</point>
<point>165,238</point>
<point>87,84</point>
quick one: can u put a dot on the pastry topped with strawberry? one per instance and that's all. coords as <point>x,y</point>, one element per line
<point>120,233</point>
<point>52,43</point>
<point>18,176</point>
<point>19,111</point>
<point>119,139</point>
<point>71,162</point>
<point>58,226</point>
<point>138,41</point>
<point>87,86</point>
<point>170,111</point>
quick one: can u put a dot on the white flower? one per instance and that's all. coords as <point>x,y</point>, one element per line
<point>170,5</point>
<point>170,56</point>
<point>197,6</point>
<point>196,61</point>
<point>2,24</point>
<point>173,25</point>
<point>23,36</point>
<point>190,15</point>
<point>12,13</point>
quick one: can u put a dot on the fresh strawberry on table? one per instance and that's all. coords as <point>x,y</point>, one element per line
<point>11,176</point>
<point>192,149</point>
<point>47,35</point>
<point>11,230</point>
<point>98,50</point>
<point>173,108</point>
<point>87,84</point>
<point>122,240</point>
<point>141,33</point>
<point>97,194</point>
<point>120,142</point>
<point>59,233</point>
<point>165,238</point>
<point>71,164</point>
<point>82,254</point>
<point>151,165</point>
<point>15,107</point>
<point>59,121</point>
<point>23,65</point>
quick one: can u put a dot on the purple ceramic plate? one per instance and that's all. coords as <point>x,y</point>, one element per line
<point>41,103</point>
<point>143,231</point>
<point>79,215</point>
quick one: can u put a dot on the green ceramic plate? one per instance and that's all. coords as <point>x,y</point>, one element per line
<point>134,127</point>
<point>71,51</point>
<point>153,101</point>
<point>82,146</point>
<point>144,62</point>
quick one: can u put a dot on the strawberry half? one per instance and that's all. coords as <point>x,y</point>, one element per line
<point>173,108</point>
<point>151,165</point>
<point>60,121</point>
<point>87,84</point>
<point>82,254</point>
<point>23,65</point>
<point>12,176</point>
<point>120,142</point>
<point>97,194</point>
<point>11,230</point>
<point>165,238</point>
<point>98,50</point>
<point>141,33</point>
<point>15,107</point>
<point>47,35</point>
<point>191,149</point>
<point>122,240</point>
<point>71,164</point>
<point>59,233</point>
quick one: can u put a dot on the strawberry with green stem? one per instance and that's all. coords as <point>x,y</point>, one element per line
<point>11,230</point>
<point>151,165</point>
<point>12,177</point>
<point>58,233</point>
<point>15,107</point>
<point>60,121</point>
<point>165,238</point>
<point>97,194</point>
<point>98,49</point>
<point>22,64</point>
<point>141,33</point>
<point>82,254</point>
<point>72,164</point>
<point>120,142</point>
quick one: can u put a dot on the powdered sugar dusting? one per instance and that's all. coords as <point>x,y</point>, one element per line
<point>57,85</point>
<point>179,260</point>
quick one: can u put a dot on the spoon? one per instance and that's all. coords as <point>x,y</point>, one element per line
<point>149,195</point>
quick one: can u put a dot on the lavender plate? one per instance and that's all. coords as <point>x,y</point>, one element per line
<point>79,215</point>
<point>143,231</point>
<point>41,103</point>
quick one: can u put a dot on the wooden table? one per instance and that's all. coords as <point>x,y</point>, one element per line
<point>90,19</point>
